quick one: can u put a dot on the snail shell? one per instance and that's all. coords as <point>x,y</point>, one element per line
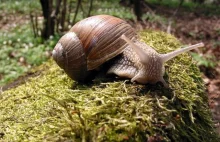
<point>90,43</point>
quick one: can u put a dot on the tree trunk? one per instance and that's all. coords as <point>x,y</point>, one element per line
<point>137,9</point>
<point>63,16</point>
<point>49,23</point>
<point>90,8</point>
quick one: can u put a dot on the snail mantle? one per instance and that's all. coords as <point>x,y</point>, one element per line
<point>48,108</point>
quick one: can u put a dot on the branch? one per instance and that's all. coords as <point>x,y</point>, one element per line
<point>76,12</point>
<point>90,8</point>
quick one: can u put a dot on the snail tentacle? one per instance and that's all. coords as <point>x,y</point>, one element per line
<point>166,57</point>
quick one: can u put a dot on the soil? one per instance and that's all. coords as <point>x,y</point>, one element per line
<point>189,28</point>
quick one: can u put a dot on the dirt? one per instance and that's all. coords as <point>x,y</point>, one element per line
<point>188,27</point>
<point>10,21</point>
<point>21,80</point>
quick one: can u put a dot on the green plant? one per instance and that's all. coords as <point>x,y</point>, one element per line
<point>205,60</point>
<point>206,8</point>
<point>112,8</point>
<point>154,18</point>
<point>19,6</point>
<point>20,51</point>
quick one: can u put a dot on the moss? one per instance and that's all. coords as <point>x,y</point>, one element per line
<point>51,107</point>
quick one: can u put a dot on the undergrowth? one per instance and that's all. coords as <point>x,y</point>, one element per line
<point>19,6</point>
<point>207,8</point>
<point>20,51</point>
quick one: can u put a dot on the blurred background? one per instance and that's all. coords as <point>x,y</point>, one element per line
<point>30,29</point>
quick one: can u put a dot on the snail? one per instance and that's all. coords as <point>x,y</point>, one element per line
<point>102,39</point>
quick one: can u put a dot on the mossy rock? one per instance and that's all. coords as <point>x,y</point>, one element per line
<point>51,107</point>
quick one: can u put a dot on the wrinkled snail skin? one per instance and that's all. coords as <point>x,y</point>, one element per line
<point>92,42</point>
<point>130,65</point>
<point>147,64</point>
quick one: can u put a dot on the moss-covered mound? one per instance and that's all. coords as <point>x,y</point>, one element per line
<point>52,107</point>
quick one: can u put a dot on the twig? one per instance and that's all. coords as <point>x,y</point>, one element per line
<point>33,25</point>
<point>55,13</point>
<point>36,25</point>
<point>63,16</point>
<point>90,8</point>
<point>76,11</point>
<point>69,11</point>
<point>170,21</point>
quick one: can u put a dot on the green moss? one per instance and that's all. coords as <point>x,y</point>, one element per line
<point>52,107</point>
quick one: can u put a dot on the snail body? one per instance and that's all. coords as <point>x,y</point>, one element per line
<point>97,39</point>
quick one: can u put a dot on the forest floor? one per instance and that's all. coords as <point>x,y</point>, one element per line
<point>189,28</point>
